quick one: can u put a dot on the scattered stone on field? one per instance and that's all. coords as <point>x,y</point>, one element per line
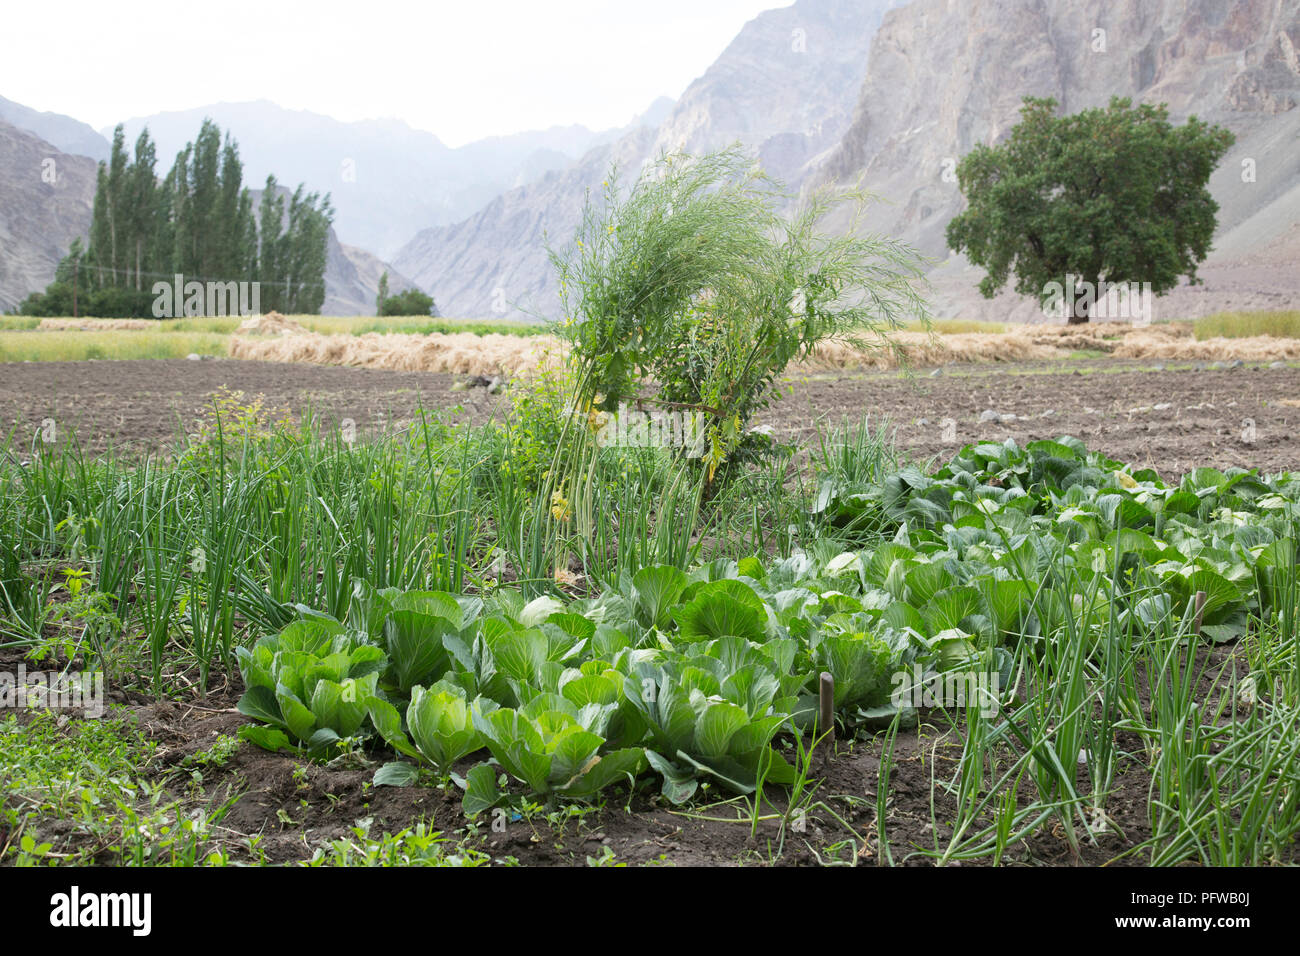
<point>1277,364</point>
<point>1163,406</point>
<point>922,421</point>
<point>1158,368</point>
<point>194,357</point>
<point>1049,413</point>
<point>495,386</point>
<point>1007,418</point>
<point>1139,410</point>
<point>989,415</point>
<point>936,373</point>
<point>1236,363</point>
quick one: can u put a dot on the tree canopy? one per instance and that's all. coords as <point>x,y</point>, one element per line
<point>199,221</point>
<point>1115,195</point>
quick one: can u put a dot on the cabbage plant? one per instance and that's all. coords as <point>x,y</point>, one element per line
<point>312,684</point>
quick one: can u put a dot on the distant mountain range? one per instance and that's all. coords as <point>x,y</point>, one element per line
<point>387,180</point>
<point>889,104</point>
<point>785,87</point>
<point>885,95</point>
<point>63,132</point>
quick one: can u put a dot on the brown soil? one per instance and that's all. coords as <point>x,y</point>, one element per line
<point>292,807</point>
<point>144,404</point>
<point>1109,404</point>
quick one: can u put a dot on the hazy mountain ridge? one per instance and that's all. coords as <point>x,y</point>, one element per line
<point>63,132</point>
<point>784,87</point>
<point>495,264</point>
<point>387,180</point>
<point>826,92</point>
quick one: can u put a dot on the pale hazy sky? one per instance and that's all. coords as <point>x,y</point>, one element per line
<point>461,70</point>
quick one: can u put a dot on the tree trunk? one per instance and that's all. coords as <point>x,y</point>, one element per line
<point>1080,309</point>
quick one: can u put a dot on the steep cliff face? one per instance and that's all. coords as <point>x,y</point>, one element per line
<point>495,263</point>
<point>45,203</point>
<point>944,75</point>
<point>352,280</point>
<point>784,88</point>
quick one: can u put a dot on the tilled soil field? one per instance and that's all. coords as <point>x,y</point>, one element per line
<point>1172,419</point>
<point>1169,419</point>
<point>289,808</point>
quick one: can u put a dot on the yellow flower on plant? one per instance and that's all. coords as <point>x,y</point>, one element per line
<point>560,509</point>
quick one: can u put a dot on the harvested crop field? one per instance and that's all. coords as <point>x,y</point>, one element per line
<point>1170,419</point>
<point>284,341</point>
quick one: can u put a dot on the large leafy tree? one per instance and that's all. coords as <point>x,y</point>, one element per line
<point>1116,195</point>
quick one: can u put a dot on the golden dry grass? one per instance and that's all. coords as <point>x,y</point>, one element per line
<point>922,350</point>
<point>99,325</point>
<point>273,323</point>
<point>461,353</point>
<point>468,354</point>
<point>309,339</point>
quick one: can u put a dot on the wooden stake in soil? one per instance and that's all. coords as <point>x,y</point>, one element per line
<point>826,712</point>
<point>1198,609</point>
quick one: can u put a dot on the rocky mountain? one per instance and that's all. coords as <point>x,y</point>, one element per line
<point>495,263</point>
<point>352,280</point>
<point>784,87</point>
<point>69,135</point>
<point>944,75</point>
<point>386,180</point>
<point>45,202</point>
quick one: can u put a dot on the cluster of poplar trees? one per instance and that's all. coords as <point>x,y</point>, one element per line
<point>199,221</point>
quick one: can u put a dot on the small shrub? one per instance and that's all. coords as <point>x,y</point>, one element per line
<point>695,282</point>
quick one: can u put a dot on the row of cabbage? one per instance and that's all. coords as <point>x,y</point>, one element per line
<point>693,675</point>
